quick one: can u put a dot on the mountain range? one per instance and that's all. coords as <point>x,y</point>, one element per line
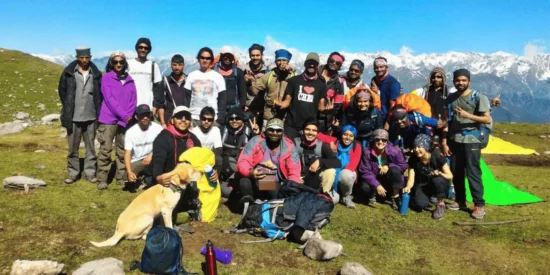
<point>523,83</point>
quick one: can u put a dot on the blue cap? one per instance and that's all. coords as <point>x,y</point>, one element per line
<point>283,54</point>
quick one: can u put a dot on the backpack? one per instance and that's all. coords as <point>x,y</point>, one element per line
<point>483,132</point>
<point>235,74</point>
<point>162,254</point>
<point>317,150</point>
<point>413,102</point>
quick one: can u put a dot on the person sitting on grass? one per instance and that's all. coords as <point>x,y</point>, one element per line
<point>429,175</point>
<point>381,169</point>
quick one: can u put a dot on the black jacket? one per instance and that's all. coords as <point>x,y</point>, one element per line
<point>164,156</point>
<point>67,91</point>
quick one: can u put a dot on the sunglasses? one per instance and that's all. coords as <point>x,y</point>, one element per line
<point>182,115</point>
<point>143,47</point>
<point>275,130</point>
<point>380,139</point>
<point>116,62</point>
<point>354,71</point>
<point>234,119</point>
<point>335,62</point>
<point>205,57</point>
<point>211,119</point>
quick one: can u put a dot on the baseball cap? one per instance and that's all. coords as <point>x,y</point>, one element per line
<point>180,109</point>
<point>143,109</point>
<point>275,124</point>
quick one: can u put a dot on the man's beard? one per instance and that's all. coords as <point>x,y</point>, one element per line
<point>462,89</point>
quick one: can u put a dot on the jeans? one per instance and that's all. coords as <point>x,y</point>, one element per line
<point>421,192</point>
<point>390,181</point>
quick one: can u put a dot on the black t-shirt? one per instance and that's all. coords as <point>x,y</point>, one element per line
<point>305,99</point>
<point>437,102</point>
<point>422,171</point>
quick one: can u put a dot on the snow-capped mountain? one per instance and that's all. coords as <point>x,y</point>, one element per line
<point>522,82</point>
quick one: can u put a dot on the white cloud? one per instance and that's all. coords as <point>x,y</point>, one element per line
<point>534,48</point>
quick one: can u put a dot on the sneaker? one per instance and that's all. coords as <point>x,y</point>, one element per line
<point>478,213</point>
<point>69,181</point>
<point>102,186</point>
<point>433,200</point>
<point>372,202</point>
<point>93,180</point>
<point>457,206</point>
<point>348,202</point>
<point>439,211</point>
<point>394,203</point>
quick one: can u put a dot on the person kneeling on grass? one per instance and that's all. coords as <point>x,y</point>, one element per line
<point>381,169</point>
<point>429,175</point>
<point>138,146</point>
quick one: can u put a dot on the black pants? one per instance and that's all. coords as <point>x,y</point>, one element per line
<point>421,193</point>
<point>465,162</point>
<point>249,187</point>
<point>292,132</point>
<point>391,180</point>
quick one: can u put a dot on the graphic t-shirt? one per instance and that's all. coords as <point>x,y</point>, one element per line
<point>141,142</point>
<point>422,172</point>
<point>210,140</point>
<point>141,73</point>
<point>305,95</point>
<point>204,88</point>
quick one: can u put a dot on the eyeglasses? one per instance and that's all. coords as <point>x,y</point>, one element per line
<point>205,57</point>
<point>182,115</point>
<point>275,130</point>
<point>116,62</point>
<point>354,71</point>
<point>143,47</point>
<point>209,119</point>
<point>380,139</point>
<point>335,62</point>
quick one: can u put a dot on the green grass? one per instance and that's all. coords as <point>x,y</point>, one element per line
<point>57,222</point>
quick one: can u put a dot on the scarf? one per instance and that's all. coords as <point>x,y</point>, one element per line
<point>343,155</point>
<point>175,132</point>
<point>308,144</point>
<point>224,72</point>
<point>309,78</point>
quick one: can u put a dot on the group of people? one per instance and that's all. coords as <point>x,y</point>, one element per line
<point>344,136</point>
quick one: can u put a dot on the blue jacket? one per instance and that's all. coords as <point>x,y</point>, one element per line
<point>417,125</point>
<point>390,89</point>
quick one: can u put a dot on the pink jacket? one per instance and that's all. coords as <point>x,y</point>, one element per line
<point>253,153</point>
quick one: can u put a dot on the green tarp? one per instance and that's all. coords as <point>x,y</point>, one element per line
<point>499,192</point>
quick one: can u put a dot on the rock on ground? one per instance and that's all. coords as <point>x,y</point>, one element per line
<point>24,267</point>
<point>19,182</point>
<point>12,127</point>
<point>48,119</point>
<point>354,269</point>
<point>322,250</point>
<point>547,152</point>
<point>107,266</point>
<point>21,115</point>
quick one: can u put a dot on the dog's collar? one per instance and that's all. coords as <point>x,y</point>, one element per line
<point>176,188</point>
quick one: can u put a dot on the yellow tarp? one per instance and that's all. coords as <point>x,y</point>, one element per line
<point>198,157</point>
<point>502,147</point>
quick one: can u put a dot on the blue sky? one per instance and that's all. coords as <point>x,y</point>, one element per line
<point>56,27</point>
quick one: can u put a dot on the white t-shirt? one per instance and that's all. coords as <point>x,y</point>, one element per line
<point>210,140</point>
<point>141,142</point>
<point>205,88</point>
<point>141,73</point>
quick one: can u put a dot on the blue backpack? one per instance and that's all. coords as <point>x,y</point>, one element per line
<point>162,253</point>
<point>483,132</point>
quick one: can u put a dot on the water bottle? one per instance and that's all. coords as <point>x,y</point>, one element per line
<point>222,256</point>
<point>208,170</point>
<point>210,259</point>
<point>404,204</point>
<point>452,194</point>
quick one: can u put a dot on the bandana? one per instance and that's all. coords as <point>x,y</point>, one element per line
<point>337,57</point>
<point>380,134</point>
<point>358,63</point>
<point>349,128</point>
<point>380,61</point>
<point>364,94</point>
<point>399,114</point>
<point>423,141</point>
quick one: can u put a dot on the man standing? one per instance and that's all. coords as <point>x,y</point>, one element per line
<point>385,85</point>
<point>235,85</point>
<point>206,87</point>
<point>468,110</point>
<point>304,96</point>
<point>80,93</point>
<point>253,71</point>
<point>170,92</point>
<point>146,73</point>
<point>353,76</point>
<point>138,145</point>
<point>436,92</point>
<point>335,89</point>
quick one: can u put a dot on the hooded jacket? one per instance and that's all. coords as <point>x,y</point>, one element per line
<point>67,92</point>
<point>119,100</point>
<point>369,170</point>
<point>270,87</point>
<point>364,121</point>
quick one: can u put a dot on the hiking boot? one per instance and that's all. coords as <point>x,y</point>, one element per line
<point>246,199</point>
<point>102,186</point>
<point>394,205</point>
<point>348,202</point>
<point>69,181</point>
<point>478,213</point>
<point>93,180</point>
<point>457,206</point>
<point>439,211</point>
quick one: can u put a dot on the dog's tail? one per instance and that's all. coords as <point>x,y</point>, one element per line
<point>110,242</point>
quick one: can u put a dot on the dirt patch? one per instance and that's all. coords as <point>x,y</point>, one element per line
<point>6,146</point>
<point>30,147</point>
<point>518,160</point>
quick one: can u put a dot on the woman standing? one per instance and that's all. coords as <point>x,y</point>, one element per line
<point>117,109</point>
<point>363,115</point>
<point>429,175</point>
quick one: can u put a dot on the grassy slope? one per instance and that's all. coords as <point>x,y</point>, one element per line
<point>57,222</point>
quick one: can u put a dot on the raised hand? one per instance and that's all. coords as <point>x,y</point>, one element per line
<point>254,126</point>
<point>374,87</point>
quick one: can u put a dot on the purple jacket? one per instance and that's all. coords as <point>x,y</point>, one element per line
<point>119,100</point>
<point>368,168</point>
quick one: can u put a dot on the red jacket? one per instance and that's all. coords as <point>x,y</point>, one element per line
<point>354,155</point>
<point>253,154</point>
